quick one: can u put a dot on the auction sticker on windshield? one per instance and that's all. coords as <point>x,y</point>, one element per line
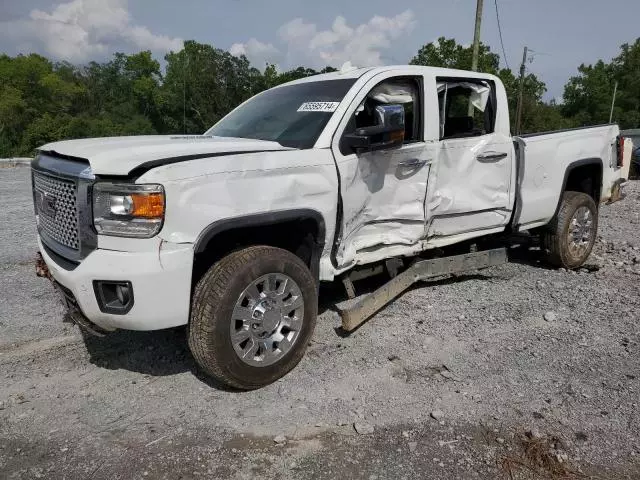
<point>318,107</point>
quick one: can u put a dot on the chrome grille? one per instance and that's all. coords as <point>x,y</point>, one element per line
<point>56,206</point>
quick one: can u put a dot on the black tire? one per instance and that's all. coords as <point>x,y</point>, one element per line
<point>214,298</point>
<point>555,237</point>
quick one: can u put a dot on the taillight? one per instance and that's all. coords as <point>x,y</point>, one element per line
<point>620,150</point>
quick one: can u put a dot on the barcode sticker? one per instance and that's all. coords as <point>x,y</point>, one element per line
<point>318,107</point>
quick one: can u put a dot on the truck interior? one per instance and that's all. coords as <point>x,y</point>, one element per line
<point>466,109</point>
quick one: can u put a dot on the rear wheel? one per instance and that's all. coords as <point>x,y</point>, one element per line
<point>253,314</point>
<point>569,238</point>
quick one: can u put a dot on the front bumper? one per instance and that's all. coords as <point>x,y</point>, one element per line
<point>161,280</point>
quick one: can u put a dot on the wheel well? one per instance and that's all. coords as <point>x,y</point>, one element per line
<point>586,179</point>
<point>303,237</point>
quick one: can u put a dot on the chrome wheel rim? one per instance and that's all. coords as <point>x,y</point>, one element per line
<point>580,232</point>
<point>267,319</point>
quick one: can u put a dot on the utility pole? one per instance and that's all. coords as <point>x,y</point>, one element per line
<point>476,36</point>
<point>521,91</point>
<point>184,92</point>
<point>613,101</point>
<point>476,46</point>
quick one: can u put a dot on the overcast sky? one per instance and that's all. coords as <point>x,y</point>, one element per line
<point>563,33</point>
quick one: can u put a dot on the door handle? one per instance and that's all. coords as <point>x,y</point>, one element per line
<point>413,162</point>
<point>491,156</point>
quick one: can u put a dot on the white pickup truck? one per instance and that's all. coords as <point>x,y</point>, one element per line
<point>231,232</point>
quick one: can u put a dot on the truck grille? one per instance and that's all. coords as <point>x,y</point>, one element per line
<point>56,207</point>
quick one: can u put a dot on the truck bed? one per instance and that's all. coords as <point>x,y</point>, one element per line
<point>544,161</point>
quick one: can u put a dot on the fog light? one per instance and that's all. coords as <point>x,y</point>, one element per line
<point>122,292</point>
<point>114,297</point>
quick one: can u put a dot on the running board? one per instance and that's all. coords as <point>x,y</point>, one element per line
<point>354,316</point>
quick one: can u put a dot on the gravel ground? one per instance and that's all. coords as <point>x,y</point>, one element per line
<point>460,378</point>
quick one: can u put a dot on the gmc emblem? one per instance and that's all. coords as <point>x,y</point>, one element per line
<point>46,203</point>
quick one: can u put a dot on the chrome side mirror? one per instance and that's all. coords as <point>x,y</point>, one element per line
<point>388,133</point>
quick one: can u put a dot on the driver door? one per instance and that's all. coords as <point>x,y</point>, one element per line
<point>383,192</point>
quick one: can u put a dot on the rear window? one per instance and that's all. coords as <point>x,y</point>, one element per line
<point>467,108</point>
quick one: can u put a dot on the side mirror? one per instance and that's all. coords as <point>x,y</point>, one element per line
<point>388,133</point>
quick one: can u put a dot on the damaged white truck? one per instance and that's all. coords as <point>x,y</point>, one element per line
<point>333,176</point>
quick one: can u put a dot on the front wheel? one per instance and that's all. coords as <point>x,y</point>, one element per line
<point>569,238</point>
<point>252,316</point>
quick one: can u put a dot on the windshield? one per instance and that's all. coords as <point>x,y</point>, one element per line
<point>293,116</point>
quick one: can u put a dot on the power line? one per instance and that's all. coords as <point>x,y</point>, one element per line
<point>504,54</point>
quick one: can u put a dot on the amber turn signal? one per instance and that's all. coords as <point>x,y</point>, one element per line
<point>147,205</point>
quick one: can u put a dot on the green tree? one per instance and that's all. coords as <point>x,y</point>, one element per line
<point>204,83</point>
<point>627,71</point>
<point>123,89</point>
<point>42,101</point>
<point>34,93</point>
<point>447,53</point>
<point>142,71</point>
<point>588,95</point>
<point>13,119</point>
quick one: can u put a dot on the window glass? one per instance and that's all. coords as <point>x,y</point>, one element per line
<point>466,109</point>
<point>397,91</point>
<point>293,115</point>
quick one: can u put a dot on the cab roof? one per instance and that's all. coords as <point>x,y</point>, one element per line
<point>354,73</point>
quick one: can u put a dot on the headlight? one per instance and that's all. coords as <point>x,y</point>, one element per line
<point>128,210</point>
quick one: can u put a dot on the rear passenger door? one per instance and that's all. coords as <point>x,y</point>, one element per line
<point>474,162</point>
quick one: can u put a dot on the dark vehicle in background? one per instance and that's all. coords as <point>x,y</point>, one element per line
<point>634,135</point>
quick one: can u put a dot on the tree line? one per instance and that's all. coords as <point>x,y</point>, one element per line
<point>43,101</point>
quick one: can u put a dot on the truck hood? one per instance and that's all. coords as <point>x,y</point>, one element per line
<point>123,155</point>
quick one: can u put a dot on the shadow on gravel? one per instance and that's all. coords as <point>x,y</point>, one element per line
<point>533,257</point>
<point>159,353</point>
<point>524,255</point>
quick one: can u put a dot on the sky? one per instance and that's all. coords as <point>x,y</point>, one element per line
<point>561,33</point>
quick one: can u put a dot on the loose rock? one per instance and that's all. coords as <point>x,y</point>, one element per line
<point>280,439</point>
<point>437,414</point>
<point>533,433</point>
<point>550,316</point>
<point>363,428</point>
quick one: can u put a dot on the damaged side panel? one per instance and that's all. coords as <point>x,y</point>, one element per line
<point>383,196</point>
<point>471,188</point>
<point>267,182</point>
<point>383,192</point>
